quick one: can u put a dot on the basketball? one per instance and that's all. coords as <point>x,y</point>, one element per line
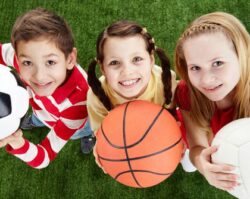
<point>139,144</point>
<point>233,142</point>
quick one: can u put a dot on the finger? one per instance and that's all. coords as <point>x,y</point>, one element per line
<point>209,151</point>
<point>18,133</point>
<point>226,185</point>
<point>226,177</point>
<point>220,168</point>
<point>1,144</point>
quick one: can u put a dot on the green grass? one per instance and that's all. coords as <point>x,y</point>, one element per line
<point>73,175</point>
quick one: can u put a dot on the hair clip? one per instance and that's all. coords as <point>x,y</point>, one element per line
<point>144,30</point>
<point>152,40</point>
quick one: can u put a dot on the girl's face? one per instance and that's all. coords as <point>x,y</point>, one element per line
<point>213,66</point>
<point>127,65</point>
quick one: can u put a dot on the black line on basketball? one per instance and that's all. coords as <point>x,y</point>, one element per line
<point>143,136</point>
<point>142,171</point>
<point>141,157</point>
<point>125,145</point>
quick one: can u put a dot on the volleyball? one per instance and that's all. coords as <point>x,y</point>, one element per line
<point>139,144</point>
<point>234,147</point>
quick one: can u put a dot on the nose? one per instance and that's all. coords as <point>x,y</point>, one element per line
<point>40,73</point>
<point>208,78</point>
<point>127,68</point>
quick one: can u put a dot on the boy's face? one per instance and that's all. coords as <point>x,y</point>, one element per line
<point>43,66</point>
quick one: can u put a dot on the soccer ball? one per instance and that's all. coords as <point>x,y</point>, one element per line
<point>14,102</point>
<point>234,148</point>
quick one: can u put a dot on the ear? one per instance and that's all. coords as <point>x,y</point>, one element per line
<point>71,60</point>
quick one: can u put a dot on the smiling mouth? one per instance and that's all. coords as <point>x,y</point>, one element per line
<point>130,82</point>
<point>42,85</point>
<point>212,89</point>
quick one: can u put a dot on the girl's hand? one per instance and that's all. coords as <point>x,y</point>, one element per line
<point>97,160</point>
<point>15,140</point>
<point>218,175</point>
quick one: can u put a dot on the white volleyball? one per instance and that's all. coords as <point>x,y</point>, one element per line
<point>234,149</point>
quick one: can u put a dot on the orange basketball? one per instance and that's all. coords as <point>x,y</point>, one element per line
<point>139,144</point>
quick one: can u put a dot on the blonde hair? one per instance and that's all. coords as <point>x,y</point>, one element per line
<point>202,108</point>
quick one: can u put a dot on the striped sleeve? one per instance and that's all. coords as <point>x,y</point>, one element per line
<point>39,156</point>
<point>7,55</point>
<point>69,121</point>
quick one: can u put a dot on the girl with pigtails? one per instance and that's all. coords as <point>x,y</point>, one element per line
<point>212,58</point>
<point>125,54</point>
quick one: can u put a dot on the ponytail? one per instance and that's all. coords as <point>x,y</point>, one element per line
<point>96,86</point>
<point>166,75</point>
<point>166,79</point>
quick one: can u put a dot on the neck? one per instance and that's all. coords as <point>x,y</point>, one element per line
<point>225,103</point>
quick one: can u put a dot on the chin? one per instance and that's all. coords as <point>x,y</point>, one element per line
<point>43,94</point>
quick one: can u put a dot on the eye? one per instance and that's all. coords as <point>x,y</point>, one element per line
<point>113,63</point>
<point>137,59</point>
<point>50,63</point>
<point>217,63</point>
<point>194,68</point>
<point>26,63</point>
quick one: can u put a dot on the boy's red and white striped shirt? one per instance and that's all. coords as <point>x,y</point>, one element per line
<point>64,112</point>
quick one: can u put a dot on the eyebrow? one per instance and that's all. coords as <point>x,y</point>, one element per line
<point>216,58</point>
<point>49,55</point>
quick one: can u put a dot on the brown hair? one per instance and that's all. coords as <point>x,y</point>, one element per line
<point>127,29</point>
<point>41,23</point>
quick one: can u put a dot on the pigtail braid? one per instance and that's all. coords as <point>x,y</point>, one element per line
<point>96,86</point>
<point>166,74</point>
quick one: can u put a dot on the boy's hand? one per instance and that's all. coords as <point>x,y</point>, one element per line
<point>218,175</point>
<point>15,140</point>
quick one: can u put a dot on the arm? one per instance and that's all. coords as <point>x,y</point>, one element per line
<point>200,155</point>
<point>39,156</point>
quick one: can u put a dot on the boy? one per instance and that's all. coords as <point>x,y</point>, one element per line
<point>45,58</point>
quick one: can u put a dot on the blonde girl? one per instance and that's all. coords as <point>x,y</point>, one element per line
<point>212,58</point>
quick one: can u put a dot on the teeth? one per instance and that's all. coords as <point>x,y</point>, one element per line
<point>129,82</point>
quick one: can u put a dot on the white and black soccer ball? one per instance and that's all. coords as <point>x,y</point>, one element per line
<point>14,102</point>
<point>234,149</point>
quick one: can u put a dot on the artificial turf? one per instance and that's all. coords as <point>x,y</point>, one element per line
<point>73,175</point>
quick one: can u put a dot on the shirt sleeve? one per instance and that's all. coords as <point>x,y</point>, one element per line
<point>96,110</point>
<point>182,96</point>
<point>7,55</point>
<point>39,156</point>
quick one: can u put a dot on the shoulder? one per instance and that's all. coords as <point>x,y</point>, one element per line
<point>80,77</point>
